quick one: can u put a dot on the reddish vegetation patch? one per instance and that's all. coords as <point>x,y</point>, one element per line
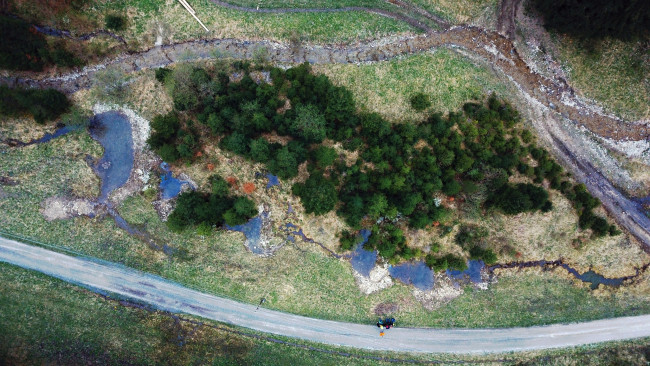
<point>451,199</point>
<point>210,166</point>
<point>232,181</point>
<point>198,154</point>
<point>249,188</point>
<point>436,223</point>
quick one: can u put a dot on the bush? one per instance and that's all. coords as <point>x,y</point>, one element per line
<point>62,57</point>
<point>420,102</point>
<point>205,210</point>
<point>387,239</point>
<point>522,197</point>
<point>162,74</point>
<point>43,105</point>
<point>451,188</point>
<point>260,150</point>
<point>242,210</point>
<point>168,153</point>
<point>486,255</point>
<point>165,127</point>
<point>445,262</point>
<point>285,164</point>
<point>115,22</point>
<point>347,240</point>
<point>324,156</point>
<point>437,264</point>
<point>309,124</point>
<point>318,195</point>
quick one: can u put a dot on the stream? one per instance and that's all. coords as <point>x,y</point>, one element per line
<point>418,274</point>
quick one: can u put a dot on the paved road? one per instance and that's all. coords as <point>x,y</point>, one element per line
<point>173,297</point>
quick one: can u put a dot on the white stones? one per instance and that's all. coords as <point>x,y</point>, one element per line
<point>378,279</point>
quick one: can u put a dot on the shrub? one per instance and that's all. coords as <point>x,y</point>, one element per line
<point>62,57</point>
<point>324,156</point>
<point>284,165</point>
<point>43,105</point>
<point>168,152</point>
<point>219,187</point>
<point>260,150</point>
<point>445,262</point>
<point>347,240</point>
<point>162,74</point>
<point>486,255</point>
<point>469,236</point>
<point>309,123</point>
<point>115,22</point>
<point>526,136</point>
<point>522,197</point>
<point>455,262</point>
<point>420,102</point>
<point>318,195</point>
<point>388,239</point>
<point>451,188</point>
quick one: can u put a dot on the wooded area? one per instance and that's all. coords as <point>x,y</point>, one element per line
<point>401,171</point>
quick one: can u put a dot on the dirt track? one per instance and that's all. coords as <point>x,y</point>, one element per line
<point>115,279</point>
<point>491,46</point>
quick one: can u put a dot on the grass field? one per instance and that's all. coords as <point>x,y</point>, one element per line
<point>461,11</point>
<point>299,278</point>
<point>326,4</point>
<point>148,20</point>
<point>449,79</point>
<point>614,73</point>
<point>47,321</point>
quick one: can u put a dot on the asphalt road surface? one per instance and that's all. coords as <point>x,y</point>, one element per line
<point>166,295</point>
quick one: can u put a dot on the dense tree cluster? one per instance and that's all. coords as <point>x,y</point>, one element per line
<point>44,105</point>
<point>596,18</point>
<point>401,168</point>
<point>214,208</point>
<point>23,48</point>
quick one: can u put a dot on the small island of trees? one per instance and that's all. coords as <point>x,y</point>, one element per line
<point>401,171</point>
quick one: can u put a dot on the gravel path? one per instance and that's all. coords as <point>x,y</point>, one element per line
<point>107,277</point>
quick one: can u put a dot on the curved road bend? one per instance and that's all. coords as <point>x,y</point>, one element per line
<point>173,297</point>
